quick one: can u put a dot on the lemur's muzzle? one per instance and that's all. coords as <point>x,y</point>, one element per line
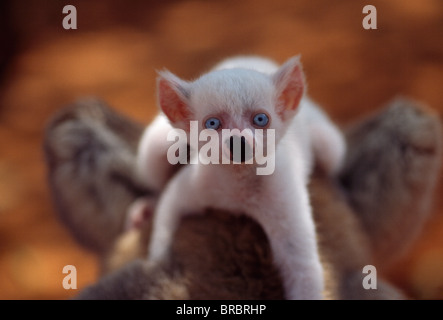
<point>239,148</point>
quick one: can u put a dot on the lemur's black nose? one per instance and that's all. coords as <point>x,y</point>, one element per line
<point>239,148</point>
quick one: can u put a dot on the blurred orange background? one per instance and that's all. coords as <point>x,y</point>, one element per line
<point>114,54</point>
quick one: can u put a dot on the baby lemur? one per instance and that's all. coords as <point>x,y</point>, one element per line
<point>251,103</point>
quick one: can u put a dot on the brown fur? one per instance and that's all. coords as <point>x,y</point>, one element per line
<point>222,256</point>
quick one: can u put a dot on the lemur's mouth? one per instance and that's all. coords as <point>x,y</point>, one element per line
<point>239,149</point>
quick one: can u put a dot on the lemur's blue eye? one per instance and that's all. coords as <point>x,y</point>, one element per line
<point>261,120</point>
<point>212,123</point>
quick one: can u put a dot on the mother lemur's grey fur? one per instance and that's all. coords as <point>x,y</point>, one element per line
<point>387,183</point>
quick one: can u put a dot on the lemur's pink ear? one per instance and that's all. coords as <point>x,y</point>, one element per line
<point>289,82</point>
<point>173,99</point>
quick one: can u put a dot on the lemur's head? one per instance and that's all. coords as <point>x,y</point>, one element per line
<point>234,103</point>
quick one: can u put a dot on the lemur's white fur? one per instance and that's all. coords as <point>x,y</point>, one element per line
<point>279,202</point>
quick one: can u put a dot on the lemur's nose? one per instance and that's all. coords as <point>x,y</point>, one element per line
<point>239,149</point>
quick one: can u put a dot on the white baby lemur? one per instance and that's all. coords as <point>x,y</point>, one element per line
<point>245,93</point>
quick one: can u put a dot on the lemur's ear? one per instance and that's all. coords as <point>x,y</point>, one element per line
<point>173,99</point>
<point>289,82</point>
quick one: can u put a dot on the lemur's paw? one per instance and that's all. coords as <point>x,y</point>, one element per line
<point>139,212</point>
